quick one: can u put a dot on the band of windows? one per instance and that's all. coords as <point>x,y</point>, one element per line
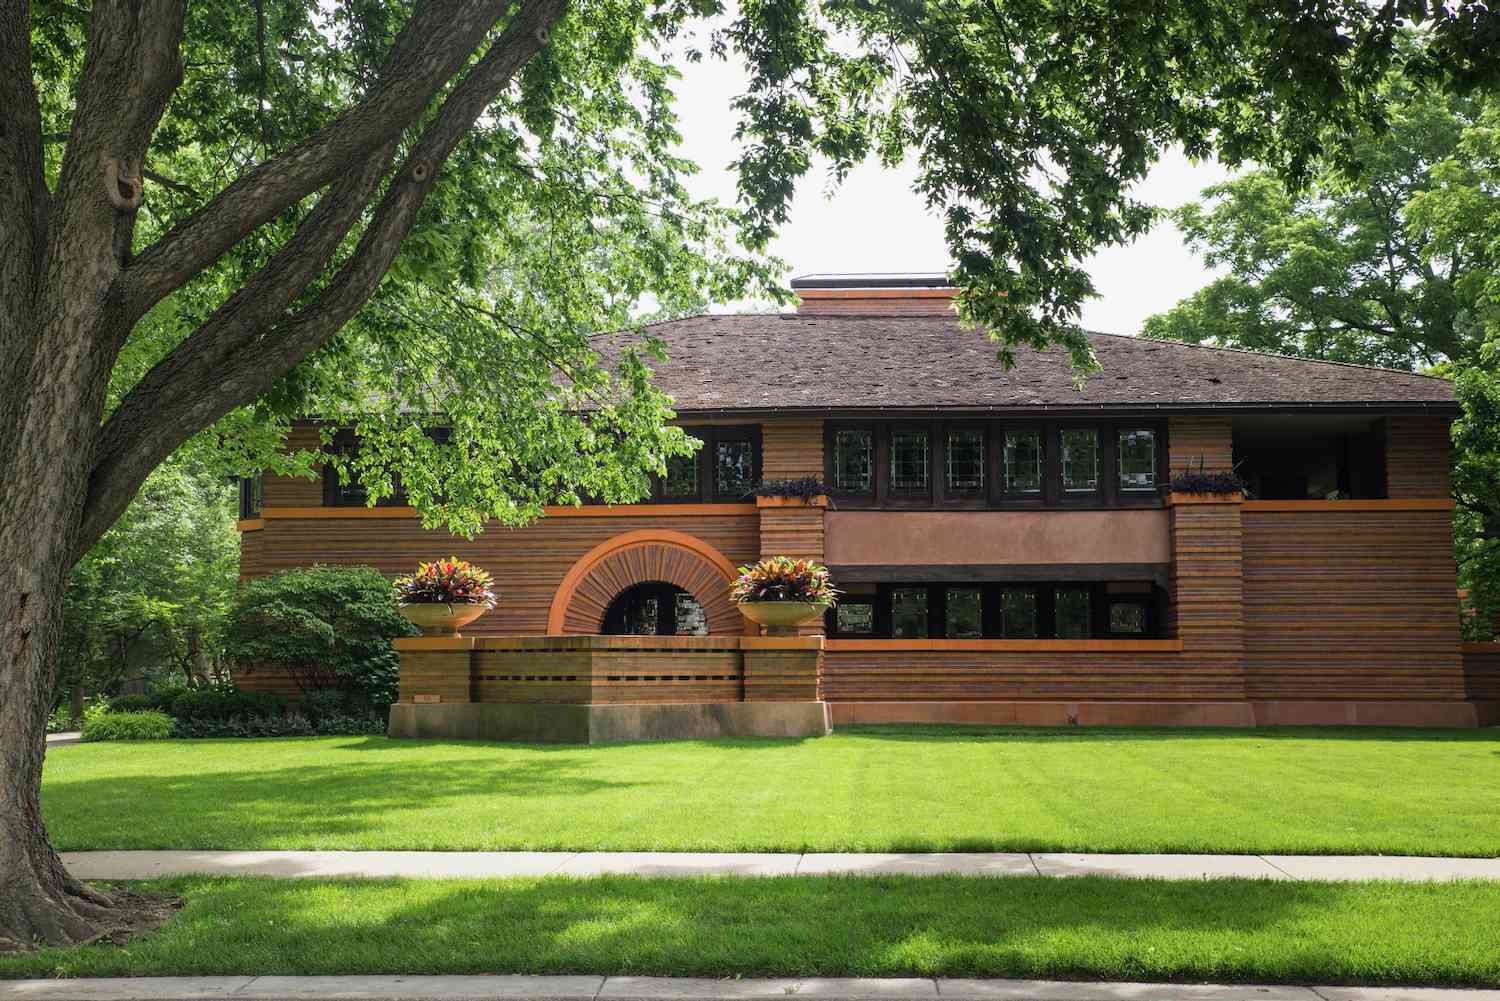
<point>999,610</point>
<point>978,464</point>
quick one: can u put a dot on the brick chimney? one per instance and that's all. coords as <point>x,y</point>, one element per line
<point>889,295</point>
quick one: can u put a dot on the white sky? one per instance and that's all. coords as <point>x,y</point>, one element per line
<point>875,222</point>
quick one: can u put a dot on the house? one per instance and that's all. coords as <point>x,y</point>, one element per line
<point>1007,543</point>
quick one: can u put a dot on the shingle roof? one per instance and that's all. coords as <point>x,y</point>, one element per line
<point>756,362</point>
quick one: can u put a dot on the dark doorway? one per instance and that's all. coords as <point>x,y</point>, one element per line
<point>655,609</point>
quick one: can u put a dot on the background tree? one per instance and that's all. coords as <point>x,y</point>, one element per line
<point>395,211</point>
<point>152,597</point>
<point>1398,266</point>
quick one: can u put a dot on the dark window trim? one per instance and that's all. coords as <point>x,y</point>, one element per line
<point>252,495</point>
<point>707,493</point>
<point>996,495</point>
<point>991,610</point>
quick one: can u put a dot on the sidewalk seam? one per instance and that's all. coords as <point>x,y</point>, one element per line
<point>245,986</point>
<point>1031,857</point>
<point>1288,875</point>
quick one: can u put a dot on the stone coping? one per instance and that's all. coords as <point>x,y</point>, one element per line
<point>593,642</point>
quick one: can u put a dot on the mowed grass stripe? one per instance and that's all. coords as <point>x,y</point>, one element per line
<point>889,789</point>
<point>1027,927</point>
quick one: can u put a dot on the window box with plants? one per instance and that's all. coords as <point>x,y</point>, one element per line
<point>810,491</point>
<point>1196,486</point>
<point>443,596</point>
<point>781,593</point>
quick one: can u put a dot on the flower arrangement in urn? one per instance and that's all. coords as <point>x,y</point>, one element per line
<point>443,596</point>
<point>781,593</point>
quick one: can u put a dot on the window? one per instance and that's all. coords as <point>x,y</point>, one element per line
<point>963,617</point>
<point>853,465</point>
<point>251,496</point>
<point>909,462</point>
<point>724,470</point>
<point>734,468</point>
<point>1018,613</point>
<point>1023,462</point>
<point>964,462</point>
<point>1138,459</point>
<point>1127,618</point>
<point>1080,460</point>
<point>854,618</point>
<point>1072,612</point>
<point>909,613</point>
<point>682,477</point>
<point>655,608</point>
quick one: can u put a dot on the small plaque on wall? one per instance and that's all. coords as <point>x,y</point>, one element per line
<point>427,698</point>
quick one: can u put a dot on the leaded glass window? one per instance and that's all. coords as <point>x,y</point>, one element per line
<point>734,468</point>
<point>909,613</point>
<point>1127,617</point>
<point>1138,460</point>
<point>1018,613</point>
<point>682,477</point>
<point>963,613</point>
<point>965,462</point>
<point>853,461</point>
<point>1023,462</point>
<point>1072,613</point>
<point>855,618</point>
<point>1080,460</point>
<point>909,463</point>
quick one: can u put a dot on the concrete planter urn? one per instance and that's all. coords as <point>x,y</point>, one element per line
<point>781,618</point>
<point>436,619</point>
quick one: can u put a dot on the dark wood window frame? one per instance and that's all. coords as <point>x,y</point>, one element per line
<point>991,610</point>
<point>996,494</point>
<point>333,495</point>
<point>252,495</point>
<point>705,460</point>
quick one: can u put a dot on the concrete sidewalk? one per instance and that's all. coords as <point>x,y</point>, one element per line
<point>487,865</point>
<point>413,988</point>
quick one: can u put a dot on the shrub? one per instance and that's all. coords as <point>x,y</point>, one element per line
<point>805,489</point>
<point>128,726</point>
<point>143,703</point>
<point>292,724</point>
<point>61,720</point>
<point>446,582</point>
<point>328,627</point>
<point>225,703</point>
<point>781,578</point>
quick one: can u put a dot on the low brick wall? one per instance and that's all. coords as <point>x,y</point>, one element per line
<point>610,670</point>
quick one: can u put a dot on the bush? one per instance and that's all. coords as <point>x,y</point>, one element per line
<point>61,720</point>
<point>329,627</point>
<point>143,703</point>
<point>292,724</point>
<point>128,726</point>
<point>225,703</point>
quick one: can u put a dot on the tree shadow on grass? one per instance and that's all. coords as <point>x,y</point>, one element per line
<point>1025,927</point>
<point>311,805</point>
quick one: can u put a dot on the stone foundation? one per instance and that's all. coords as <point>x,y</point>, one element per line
<point>603,724</point>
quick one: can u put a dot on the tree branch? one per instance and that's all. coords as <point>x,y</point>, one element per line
<point>435,43</point>
<point>230,365</point>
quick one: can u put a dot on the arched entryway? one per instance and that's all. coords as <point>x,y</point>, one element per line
<point>647,556</point>
<point>655,608</point>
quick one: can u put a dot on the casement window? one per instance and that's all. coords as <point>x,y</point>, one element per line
<point>724,470</point>
<point>1080,460</point>
<point>252,495</point>
<point>910,462</point>
<point>964,462</point>
<point>853,456</point>
<point>999,610</point>
<point>1137,458</point>
<point>1021,463</point>
<point>348,491</point>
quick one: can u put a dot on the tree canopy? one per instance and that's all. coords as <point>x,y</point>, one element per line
<point>1398,266</point>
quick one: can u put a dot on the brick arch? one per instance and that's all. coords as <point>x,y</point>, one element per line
<point>638,557</point>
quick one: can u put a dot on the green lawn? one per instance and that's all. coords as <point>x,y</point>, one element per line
<point>1229,930</point>
<point>907,789</point>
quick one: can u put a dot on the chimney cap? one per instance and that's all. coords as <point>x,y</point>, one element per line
<point>873,280</point>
